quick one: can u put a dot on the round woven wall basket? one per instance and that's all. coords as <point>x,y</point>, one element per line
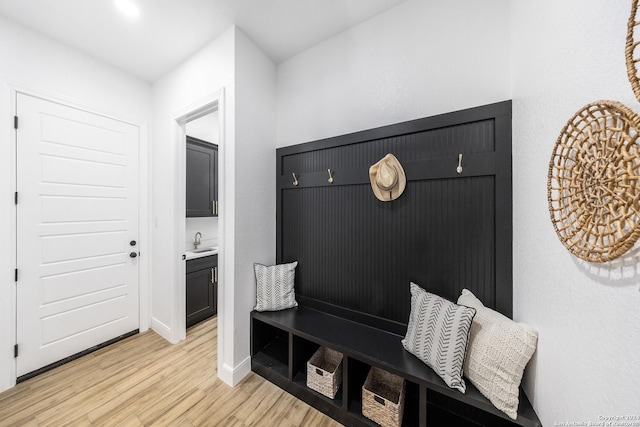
<point>631,51</point>
<point>593,184</point>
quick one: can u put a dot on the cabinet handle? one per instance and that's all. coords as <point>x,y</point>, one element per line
<point>216,205</point>
<point>212,277</point>
<point>215,269</point>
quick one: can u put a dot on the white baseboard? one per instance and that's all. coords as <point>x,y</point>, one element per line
<point>233,376</point>
<point>161,329</point>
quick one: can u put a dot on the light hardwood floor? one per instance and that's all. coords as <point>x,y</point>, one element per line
<point>145,381</point>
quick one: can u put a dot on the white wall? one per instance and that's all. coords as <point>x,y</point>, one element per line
<point>567,54</point>
<point>255,180</point>
<point>247,202</point>
<point>415,60</point>
<point>31,61</point>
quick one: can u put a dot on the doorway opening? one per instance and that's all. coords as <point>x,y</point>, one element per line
<point>204,122</point>
<point>201,227</point>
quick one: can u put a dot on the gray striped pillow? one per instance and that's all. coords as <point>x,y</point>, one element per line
<point>438,333</point>
<point>274,286</point>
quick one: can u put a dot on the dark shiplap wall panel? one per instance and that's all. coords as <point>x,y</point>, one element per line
<point>446,232</point>
<point>360,253</point>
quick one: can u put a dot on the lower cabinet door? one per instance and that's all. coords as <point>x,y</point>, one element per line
<point>201,291</point>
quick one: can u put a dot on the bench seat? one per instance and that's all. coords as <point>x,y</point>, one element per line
<point>368,345</point>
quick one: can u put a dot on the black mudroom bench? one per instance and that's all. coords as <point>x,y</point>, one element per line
<point>283,341</point>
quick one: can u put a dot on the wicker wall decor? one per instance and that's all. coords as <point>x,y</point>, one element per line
<point>593,184</point>
<point>631,55</point>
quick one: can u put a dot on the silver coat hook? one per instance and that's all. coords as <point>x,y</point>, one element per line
<point>459,168</point>
<point>295,180</point>
<point>330,177</point>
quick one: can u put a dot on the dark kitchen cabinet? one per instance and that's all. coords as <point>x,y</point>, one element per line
<point>202,178</point>
<point>202,289</point>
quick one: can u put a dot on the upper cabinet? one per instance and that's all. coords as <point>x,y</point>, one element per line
<point>202,178</point>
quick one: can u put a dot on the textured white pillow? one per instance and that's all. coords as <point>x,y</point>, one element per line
<point>274,286</point>
<point>437,334</point>
<point>499,350</point>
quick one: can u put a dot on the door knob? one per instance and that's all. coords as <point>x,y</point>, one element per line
<point>132,243</point>
<point>133,254</point>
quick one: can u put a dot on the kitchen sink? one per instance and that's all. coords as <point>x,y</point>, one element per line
<point>199,251</point>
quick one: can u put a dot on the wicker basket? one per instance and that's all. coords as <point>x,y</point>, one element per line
<point>383,398</point>
<point>324,372</point>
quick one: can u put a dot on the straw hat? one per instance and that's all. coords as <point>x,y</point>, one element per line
<point>387,178</point>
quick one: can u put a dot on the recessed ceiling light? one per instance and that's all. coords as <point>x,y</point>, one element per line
<point>128,7</point>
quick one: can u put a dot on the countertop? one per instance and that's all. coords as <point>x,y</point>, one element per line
<point>194,255</point>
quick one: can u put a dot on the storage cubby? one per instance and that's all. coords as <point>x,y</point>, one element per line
<point>302,351</point>
<point>445,411</point>
<point>357,375</point>
<point>270,348</point>
<point>412,405</point>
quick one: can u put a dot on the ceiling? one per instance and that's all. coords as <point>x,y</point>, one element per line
<point>167,32</point>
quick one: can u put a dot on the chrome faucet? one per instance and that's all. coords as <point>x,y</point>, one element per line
<point>196,242</point>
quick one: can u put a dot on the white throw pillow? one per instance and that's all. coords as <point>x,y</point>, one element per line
<point>274,286</point>
<point>438,333</point>
<point>499,350</point>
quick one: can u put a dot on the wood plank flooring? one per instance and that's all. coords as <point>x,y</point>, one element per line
<point>145,381</point>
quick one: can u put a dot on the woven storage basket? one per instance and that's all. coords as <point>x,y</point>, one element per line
<point>324,372</point>
<point>383,398</point>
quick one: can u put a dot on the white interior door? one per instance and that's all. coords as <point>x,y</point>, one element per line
<point>77,212</point>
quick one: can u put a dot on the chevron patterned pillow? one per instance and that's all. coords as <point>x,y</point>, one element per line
<point>438,333</point>
<point>274,286</point>
<point>499,350</point>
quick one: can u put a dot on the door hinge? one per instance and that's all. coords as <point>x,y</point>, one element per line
<point>16,275</point>
<point>15,350</point>
<point>15,122</point>
<point>16,198</point>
